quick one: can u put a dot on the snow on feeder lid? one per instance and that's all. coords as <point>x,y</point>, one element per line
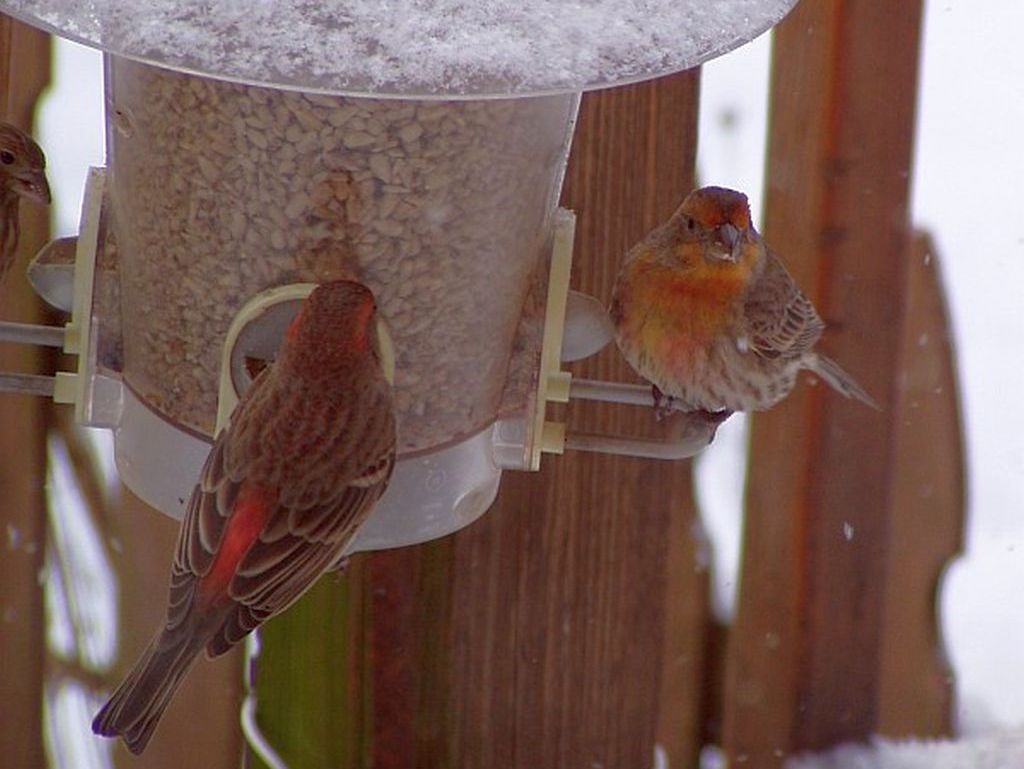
<point>414,48</point>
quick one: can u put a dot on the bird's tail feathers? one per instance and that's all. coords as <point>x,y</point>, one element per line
<point>839,380</point>
<point>135,708</point>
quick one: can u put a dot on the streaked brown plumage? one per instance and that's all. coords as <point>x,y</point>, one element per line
<point>309,451</point>
<point>22,175</point>
<point>707,313</point>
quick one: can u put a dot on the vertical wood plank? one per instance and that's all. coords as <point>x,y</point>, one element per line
<point>311,676</point>
<point>24,71</point>
<point>690,670</point>
<point>6,24</point>
<point>394,657</point>
<point>540,636</point>
<point>805,656</point>
<point>438,712</point>
<point>202,719</point>
<point>926,529</point>
<point>560,591</point>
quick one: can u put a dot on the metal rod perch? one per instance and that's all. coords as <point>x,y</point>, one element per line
<point>31,333</point>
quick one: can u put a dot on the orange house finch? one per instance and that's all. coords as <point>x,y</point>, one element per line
<point>706,312</point>
<point>22,175</point>
<point>308,453</point>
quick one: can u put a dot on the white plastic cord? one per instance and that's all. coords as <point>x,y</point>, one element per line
<point>254,737</point>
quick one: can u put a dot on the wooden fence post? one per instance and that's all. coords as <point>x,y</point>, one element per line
<point>548,633</point>
<point>806,654</point>
<point>927,510</point>
<point>24,72</point>
<point>563,628</point>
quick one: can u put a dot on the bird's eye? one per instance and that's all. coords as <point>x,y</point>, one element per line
<point>690,224</point>
<point>6,157</point>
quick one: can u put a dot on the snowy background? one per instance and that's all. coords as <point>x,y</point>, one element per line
<point>968,156</point>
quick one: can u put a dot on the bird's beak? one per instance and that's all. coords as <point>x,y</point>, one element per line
<point>732,238</point>
<point>34,187</point>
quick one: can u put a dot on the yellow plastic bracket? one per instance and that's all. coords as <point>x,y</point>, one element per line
<point>79,337</point>
<point>227,395</point>
<point>552,382</point>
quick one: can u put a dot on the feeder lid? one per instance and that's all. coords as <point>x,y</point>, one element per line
<point>413,48</point>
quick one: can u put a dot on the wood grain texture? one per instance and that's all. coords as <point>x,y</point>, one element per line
<point>311,677</point>
<point>397,648</point>
<point>562,590</point>
<point>927,510</point>
<point>567,626</point>
<point>6,23</point>
<point>202,720</point>
<point>694,645</point>
<point>805,654</point>
<point>355,673</point>
<point>542,631</point>
<point>24,72</point>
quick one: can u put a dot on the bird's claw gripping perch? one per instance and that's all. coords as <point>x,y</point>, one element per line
<point>664,405</point>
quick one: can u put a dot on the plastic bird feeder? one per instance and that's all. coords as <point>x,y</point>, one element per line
<point>418,147</point>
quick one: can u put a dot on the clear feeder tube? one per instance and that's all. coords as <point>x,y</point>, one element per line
<point>444,208</point>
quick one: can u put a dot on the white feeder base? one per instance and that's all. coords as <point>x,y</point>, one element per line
<point>429,496</point>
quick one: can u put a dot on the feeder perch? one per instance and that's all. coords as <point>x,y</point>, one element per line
<point>418,148</point>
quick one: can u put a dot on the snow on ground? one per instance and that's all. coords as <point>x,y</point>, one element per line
<point>999,750</point>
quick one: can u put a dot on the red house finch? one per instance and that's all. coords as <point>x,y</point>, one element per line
<point>706,312</point>
<point>308,453</point>
<point>22,175</point>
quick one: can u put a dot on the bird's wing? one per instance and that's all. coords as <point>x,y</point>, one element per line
<point>201,531</point>
<point>779,320</point>
<point>294,549</point>
<point>294,546</point>
<point>8,227</point>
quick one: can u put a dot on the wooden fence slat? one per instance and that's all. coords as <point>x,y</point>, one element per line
<point>927,511</point>
<point>690,662</point>
<point>24,72</point>
<point>6,22</point>
<point>560,592</point>
<point>200,726</point>
<point>393,664</point>
<point>805,653</point>
<point>550,632</point>
<point>541,627</point>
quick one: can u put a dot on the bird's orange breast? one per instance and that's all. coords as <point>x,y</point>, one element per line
<point>671,318</point>
<point>690,306</point>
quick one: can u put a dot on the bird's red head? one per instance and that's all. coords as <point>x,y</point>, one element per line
<point>336,326</point>
<point>718,216</point>
<point>712,207</point>
<point>22,165</point>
